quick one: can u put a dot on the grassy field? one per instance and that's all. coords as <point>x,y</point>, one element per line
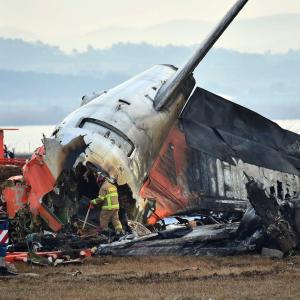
<point>245,277</point>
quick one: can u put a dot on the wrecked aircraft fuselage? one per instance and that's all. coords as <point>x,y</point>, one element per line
<point>175,151</point>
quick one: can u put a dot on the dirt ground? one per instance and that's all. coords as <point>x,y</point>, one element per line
<point>243,277</point>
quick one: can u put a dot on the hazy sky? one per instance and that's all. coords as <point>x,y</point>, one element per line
<point>54,21</point>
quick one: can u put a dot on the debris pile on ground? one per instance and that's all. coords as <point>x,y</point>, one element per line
<point>269,226</point>
<point>54,258</point>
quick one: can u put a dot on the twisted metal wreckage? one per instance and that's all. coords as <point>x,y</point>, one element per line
<point>174,150</point>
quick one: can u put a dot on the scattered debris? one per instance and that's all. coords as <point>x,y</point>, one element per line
<point>272,253</point>
<point>138,228</point>
<point>76,273</point>
<point>268,227</point>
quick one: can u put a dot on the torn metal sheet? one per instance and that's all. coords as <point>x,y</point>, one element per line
<point>60,157</point>
<point>274,222</point>
<point>203,240</point>
<point>225,130</point>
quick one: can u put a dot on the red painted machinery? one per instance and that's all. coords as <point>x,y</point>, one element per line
<point>25,193</point>
<point>4,157</point>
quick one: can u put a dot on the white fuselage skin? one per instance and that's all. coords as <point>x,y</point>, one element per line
<point>127,108</point>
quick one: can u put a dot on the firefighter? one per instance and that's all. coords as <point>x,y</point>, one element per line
<point>108,199</point>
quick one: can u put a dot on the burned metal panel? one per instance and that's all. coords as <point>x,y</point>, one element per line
<point>198,174</point>
<point>218,142</point>
<point>224,130</point>
<point>205,182</point>
<point>221,185</point>
<point>169,195</point>
<point>167,164</point>
<point>203,240</point>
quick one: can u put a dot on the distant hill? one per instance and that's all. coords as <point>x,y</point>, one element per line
<point>277,32</point>
<point>41,98</point>
<point>40,84</point>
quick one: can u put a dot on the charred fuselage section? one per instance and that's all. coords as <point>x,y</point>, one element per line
<point>203,162</point>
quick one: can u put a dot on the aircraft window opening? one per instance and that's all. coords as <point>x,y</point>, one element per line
<point>116,136</point>
<point>124,101</point>
<point>279,190</point>
<point>55,132</point>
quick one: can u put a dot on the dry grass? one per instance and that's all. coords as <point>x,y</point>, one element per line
<point>246,277</point>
